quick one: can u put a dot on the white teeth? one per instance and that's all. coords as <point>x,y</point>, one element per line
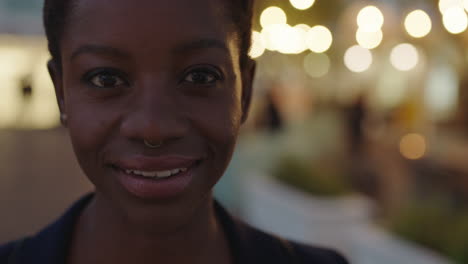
<point>156,174</point>
<point>148,173</point>
<point>163,174</point>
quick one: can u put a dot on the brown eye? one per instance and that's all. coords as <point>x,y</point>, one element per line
<point>202,76</point>
<point>106,81</point>
<point>105,78</point>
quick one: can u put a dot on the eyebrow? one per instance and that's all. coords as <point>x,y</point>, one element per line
<point>184,48</point>
<point>98,49</point>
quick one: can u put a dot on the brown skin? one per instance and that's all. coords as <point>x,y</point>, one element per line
<point>164,86</point>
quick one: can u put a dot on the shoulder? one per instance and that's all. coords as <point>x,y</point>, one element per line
<point>6,250</point>
<point>309,254</point>
<point>279,250</point>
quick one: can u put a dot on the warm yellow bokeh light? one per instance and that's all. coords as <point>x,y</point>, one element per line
<point>358,59</point>
<point>42,111</point>
<point>369,40</point>
<point>267,36</point>
<point>272,15</point>
<point>302,4</point>
<point>283,38</point>
<point>465,5</point>
<point>413,146</point>
<point>303,27</point>
<point>418,24</point>
<point>370,19</point>
<point>290,41</point>
<point>18,55</point>
<point>444,5</point>
<point>316,64</point>
<point>404,57</point>
<point>258,46</point>
<point>455,20</point>
<point>319,39</point>
<point>302,30</point>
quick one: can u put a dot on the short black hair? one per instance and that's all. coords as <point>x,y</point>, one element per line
<point>56,12</point>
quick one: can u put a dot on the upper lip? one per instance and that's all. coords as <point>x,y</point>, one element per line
<point>159,163</point>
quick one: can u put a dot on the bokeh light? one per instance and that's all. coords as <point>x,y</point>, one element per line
<point>273,15</point>
<point>444,5</point>
<point>442,91</point>
<point>302,4</point>
<point>319,39</point>
<point>303,27</point>
<point>43,111</point>
<point>455,20</point>
<point>413,146</point>
<point>418,24</point>
<point>302,30</point>
<point>258,46</point>
<point>316,64</point>
<point>358,59</point>
<point>404,57</point>
<point>284,38</point>
<point>370,19</point>
<point>369,40</point>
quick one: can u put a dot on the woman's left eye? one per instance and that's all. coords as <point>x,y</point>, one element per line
<point>202,76</point>
<point>105,79</point>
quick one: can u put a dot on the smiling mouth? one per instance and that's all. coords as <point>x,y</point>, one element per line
<point>163,174</point>
<point>155,174</point>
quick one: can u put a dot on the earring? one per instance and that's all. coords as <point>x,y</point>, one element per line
<point>63,118</point>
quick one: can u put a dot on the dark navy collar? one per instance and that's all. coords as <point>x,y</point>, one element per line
<point>248,245</point>
<point>51,244</point>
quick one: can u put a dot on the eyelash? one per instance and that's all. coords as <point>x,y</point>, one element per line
<point>210,72</point>
<point>97,73</point>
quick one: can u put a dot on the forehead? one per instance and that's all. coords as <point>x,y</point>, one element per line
<point>147,22</point>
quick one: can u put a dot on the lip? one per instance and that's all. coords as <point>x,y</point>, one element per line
<point>160,163</point>
<point>148,188</point>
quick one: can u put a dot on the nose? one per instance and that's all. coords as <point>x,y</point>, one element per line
<point>155,116</point>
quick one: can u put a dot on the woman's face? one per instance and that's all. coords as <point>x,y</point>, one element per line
<point>163,71</point>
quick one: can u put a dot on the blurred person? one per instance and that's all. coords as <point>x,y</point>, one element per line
<point>270,118</point>
<point>153,94</point>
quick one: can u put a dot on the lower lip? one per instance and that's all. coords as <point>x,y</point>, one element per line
<point>148,188</point>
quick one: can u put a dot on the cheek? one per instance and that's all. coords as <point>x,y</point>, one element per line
<point>89,126</point>
<point>219,122</point>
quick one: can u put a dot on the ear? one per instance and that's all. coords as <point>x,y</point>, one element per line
<point>248,75</point>
<point>57,80</point>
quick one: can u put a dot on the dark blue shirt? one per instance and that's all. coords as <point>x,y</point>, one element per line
<point>248,245</point>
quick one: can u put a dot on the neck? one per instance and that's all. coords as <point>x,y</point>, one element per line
<point>103,235</point>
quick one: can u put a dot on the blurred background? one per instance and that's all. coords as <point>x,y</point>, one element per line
<point>357,138</point>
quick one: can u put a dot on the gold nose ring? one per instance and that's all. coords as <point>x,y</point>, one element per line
<point>152,145</point>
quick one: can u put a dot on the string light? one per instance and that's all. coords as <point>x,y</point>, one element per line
<point>273,15</point>
<point>302,4</point>
<point>455,20</point>
<point>370,19</point>
<point>319,39</point>
<point>369,40</point>
<point>418,24</point>
<point>316,64</point>
<point>444,5</point>
<point>258,45</point>
<point>404,57</point>
<point>358,59</point>
<point>413,146</point>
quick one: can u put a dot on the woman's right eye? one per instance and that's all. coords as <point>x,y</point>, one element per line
<point>106,79</point>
